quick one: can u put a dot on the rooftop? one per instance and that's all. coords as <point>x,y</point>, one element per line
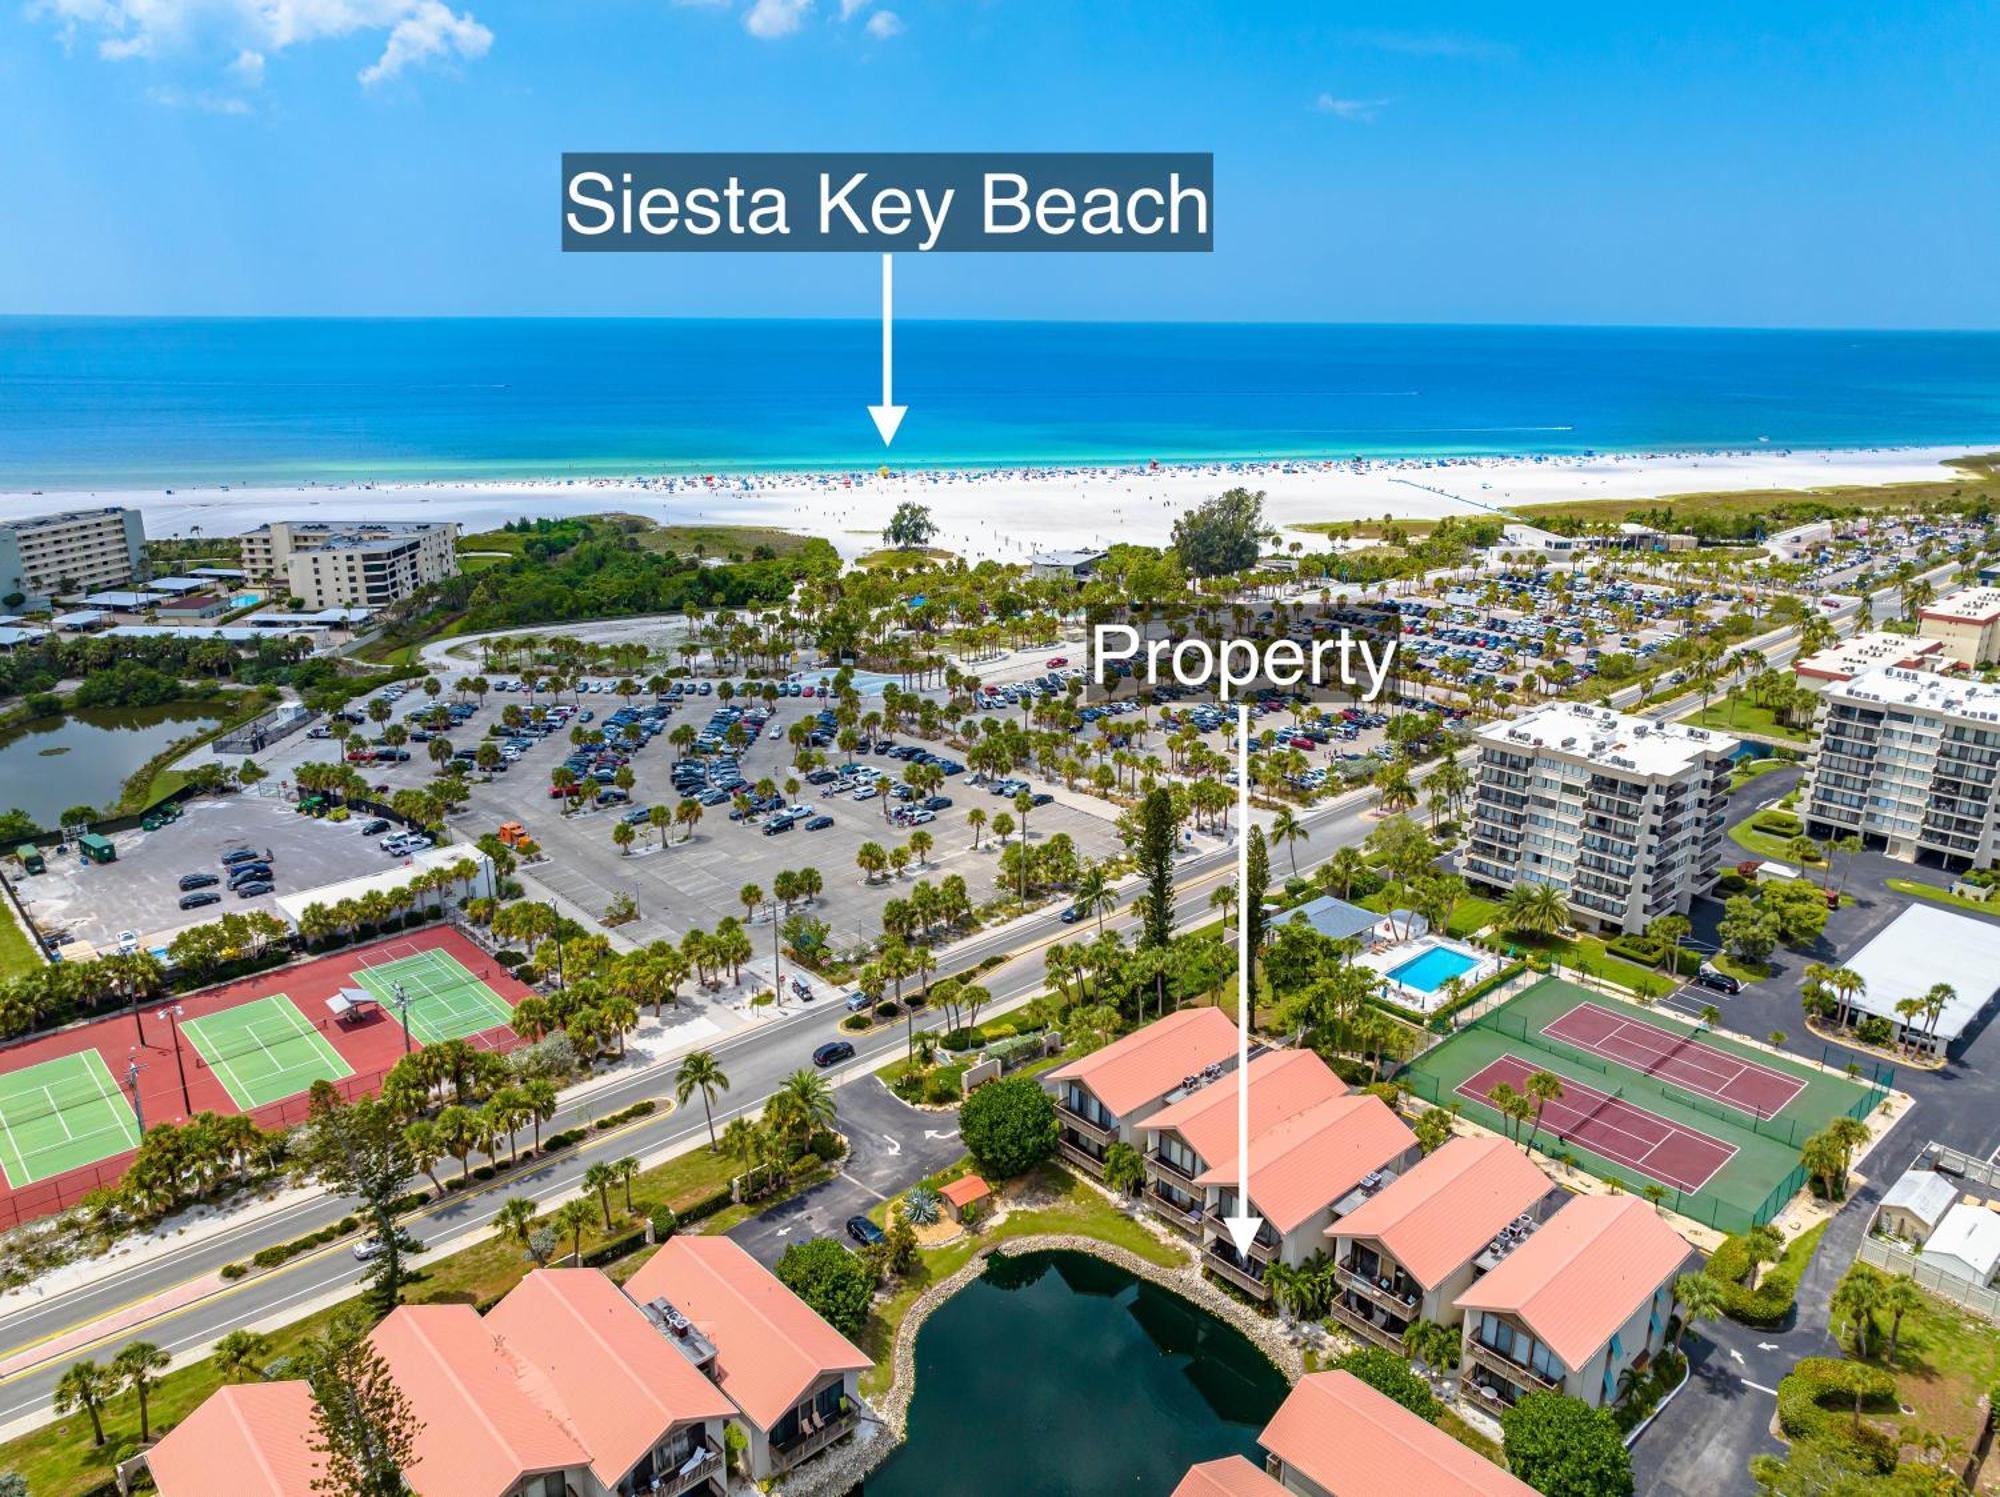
<point>595,1359</point>
<point>1969,1234</point>
<point>1145,1065</point>
<point>246,1439</point>
<point>966,1189</point>
<point>1925,1194</point>
<point>1232,1476</point>
<point>1583,1273</point>
<point>1437,1217</point>
<point>119,597</point>
<point>1335,919</point>
<point>1613,739</point>
<point>1282,1082</point>
<point>1339,1433</point>
<point>1314,1158</point>
<point>1065,558</point>
<point>1925,946</point>
<point>1864,652</point>
<point>770,1347</point>
<point>1892,686</point>
<point>1969,605</point>
<point>62,517</point>
<point>177,584</point>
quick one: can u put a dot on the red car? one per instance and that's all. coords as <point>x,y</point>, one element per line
<point>1057,662</point>
<point>1304,743</point>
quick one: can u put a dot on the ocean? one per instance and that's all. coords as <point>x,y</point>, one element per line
<point>141,402</point>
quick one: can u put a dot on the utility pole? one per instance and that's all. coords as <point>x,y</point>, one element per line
<point>172,1014</point>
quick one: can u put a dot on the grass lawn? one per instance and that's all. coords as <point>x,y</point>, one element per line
<point>1071,1207</point>
<point>1917,890</point>
<point>1741,971</point>
<point>1588,954</point>
<point>1748,770</point>
<point>1846,499</point>
<point>1469,916</point>
<point>914,557</point>
<point>1767,846</point>
<point>1737,713</point>
<point>59,1461</point>
<point>17,952</point>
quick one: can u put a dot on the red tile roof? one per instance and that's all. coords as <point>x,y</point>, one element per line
<point>1232,1476</point>
<point>1435,1219</point>
<point>482,1429</point>
<point>966,1189</point>
<point>1145,1065</point>
<point>1583,1273</point>
<point>247,1439</point>
<point>770,1346</point>
<point>1340,1433</point>
<point>601,1367</point>
<point>1313,1158</point>
<point>1282,1083</point>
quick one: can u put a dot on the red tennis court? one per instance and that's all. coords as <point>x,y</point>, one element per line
<point>1677,1058</point>
<point>1642,1141</point>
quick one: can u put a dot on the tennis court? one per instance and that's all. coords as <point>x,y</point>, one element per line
<point>61,1115</point>
<point>1683,1059</point>
<point>264,1051</point>
<point>435,994</point>
<point>1644,1142</point>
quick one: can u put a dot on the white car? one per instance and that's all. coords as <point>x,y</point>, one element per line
<point>866,792</point>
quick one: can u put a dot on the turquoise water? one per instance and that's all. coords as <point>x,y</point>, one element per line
<point>1433,969</point>
<point>244,600</point>
<point>1060,1375</point>
<point>98,402</point>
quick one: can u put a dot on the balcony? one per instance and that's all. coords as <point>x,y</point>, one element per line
<point>1363,1327</point>
<point>1260,1250</point>
<point>1103,1134</point>
<point>810,1442</point>
<point>1226,1268</point>
<point>1400,1297</point>
<point>692,1479</point>
<point>1183,1219</point>
<point>1518,1373</point>
<point>1079,1156</point>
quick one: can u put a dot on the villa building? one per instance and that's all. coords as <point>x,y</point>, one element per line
<point>1622,815</point>
<point>68,552</point>
<point>1334,1436</point>
<point>1908,761</point>
<point>1317,1151</point>
<point>1410,1251</point>
<point>360,563</point>
<point>1968,624</point>
<point>1103,1098</point>
<point>793,1378</point>
<point>247,1439</point>
<point>1584,1297</point>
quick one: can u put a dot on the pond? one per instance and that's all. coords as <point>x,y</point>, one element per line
<point>1061,1375</point>
<point>85,758</point>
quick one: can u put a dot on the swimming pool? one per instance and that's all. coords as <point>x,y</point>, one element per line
<point>1432,968</point>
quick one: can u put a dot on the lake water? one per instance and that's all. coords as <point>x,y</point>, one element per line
<point>1060,1375</point>
<point>86,757</point>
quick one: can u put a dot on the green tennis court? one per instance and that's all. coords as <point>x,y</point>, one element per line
<point>440,998</point>
<point>61,1115</point>
<point>265,1051</point>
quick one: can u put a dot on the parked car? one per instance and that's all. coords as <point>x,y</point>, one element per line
<point>1717,980</point>
<point>252,889</point>
<point>244,855</point>
<point>819,823</point>
<point>196,901</point>
<point>375,828</point>
<point>199,881</point>
<point>832,1053</point>
<point>864,1231</point>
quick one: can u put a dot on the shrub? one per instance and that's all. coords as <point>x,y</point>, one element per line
<point>1562,1447</point>
<point>1645,950</point>
<point>944,1085</point>
<point>706,1207</point>
<point>1008,1127</point>
<point>1768,1305</point>
<point>826,1147</point>
<point>1388,1374</point>
<point>1875,1030</point>
<point>234,1270</point>
<point>854,1023</point>
<point>1778,823</point>
<point>831,1280</point>
<point>664,1222</point>
<point>888,1008</point>
<point>1817,1400</point>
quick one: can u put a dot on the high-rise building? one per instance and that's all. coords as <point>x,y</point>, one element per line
<point>1623,815</point>
<point>351,564</point>
<point>1968,621</point>
<point>1907,762</point>
<point>76,551</point>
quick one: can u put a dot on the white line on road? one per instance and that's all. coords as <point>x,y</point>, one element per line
<point>869,1188</point>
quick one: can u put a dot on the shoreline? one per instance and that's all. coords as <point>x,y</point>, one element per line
<point>990,513</point>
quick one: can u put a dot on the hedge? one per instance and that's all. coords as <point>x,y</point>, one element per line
<point>1816,1401</point>
<point>1770,1302</point>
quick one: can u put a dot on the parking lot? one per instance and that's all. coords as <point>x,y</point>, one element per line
<point>140,891</point>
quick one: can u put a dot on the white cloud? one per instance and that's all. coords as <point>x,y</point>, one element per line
<point>884,24</point>
<point>203,100</point>
<point>849,9</point>
<point>775,18</point>
<point>250,31</point>
<point>1360,111</point>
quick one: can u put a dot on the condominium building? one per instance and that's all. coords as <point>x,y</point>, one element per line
<point>1968,622</point>
<point>1856,656</point>
<point>1585,1296</point>
<point>1623,815</point>
<point>358,563</point>
<point>1103,1098</point>
<point>1908,761</point>
<point>67,553</point>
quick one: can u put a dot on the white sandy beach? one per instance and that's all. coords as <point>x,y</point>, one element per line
<point>1008,513</point>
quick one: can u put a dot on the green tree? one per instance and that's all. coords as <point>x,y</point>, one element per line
<point>88,1386</point>
<point>1700,1298</point>
<point>701,1071</point>
<point>1155,853</point>
<point>1008,1126</point>
<point>138,1366</point>
<point>358,1149</point>
<point>1389,1375</point>
<point>910,528</point>
<point>240,1355</point>
<point>1124,1170</point>
<point>1562,1447</point>
<point>363,1428</point>
<point>1222,535</point>
<point>831,1280</point>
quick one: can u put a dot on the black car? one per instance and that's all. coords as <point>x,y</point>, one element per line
<point>832,1053</point>
<point>1720,982</point>
<point>937,803</point>
<point>819,823</point>
<point>1043,798</point>
<point>196,901</point>
<point>237,855</point>
<point>864,1231</point>
<point>242,873</point>
<point>1073,914</point>
<point>778,824</point>
<point>199,881</point>
<point>375,828</point>
<point>252,889</point>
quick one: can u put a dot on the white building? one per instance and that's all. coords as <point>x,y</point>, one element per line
<point>1968,622</point>
<point>1623,815</point>
<point>1800,541</point>
<point>358,563</point>
<point>1908,761</point>
<point>1848,658</point>
<point>65,553</point>
<point>1923,948</point>
<point>1544,542</point>
<point>1064,566</point>
<point>1966,1243</point>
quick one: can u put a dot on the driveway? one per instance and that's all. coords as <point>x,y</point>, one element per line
<point>893,1145</point>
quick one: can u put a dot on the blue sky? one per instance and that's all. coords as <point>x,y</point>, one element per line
<point>1783,164</point>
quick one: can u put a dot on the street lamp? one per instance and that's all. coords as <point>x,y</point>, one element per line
<point>401,1000</point>
<point>172,1014</point>
<point>132,1085</point>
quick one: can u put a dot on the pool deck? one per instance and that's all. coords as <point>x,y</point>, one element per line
<point>1387,959</point>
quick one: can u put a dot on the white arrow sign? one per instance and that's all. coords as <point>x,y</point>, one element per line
<point>932,1133</point>
<point>895,1145</point>
<point>888,415</point>
<point>1245,1225</point>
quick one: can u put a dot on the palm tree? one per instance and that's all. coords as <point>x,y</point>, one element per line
<point>1095,896</point>
<point>538,1097</point>
<point>572,1219</point>
<point>515,1221</point>
<point>1847,985</point>
<point>240,1355</point>
<point>1762,1245</point>
<point>1343,867</point>
<point>139,1366</point>
<point>701,1071</point>
<point>1856,1299</point>
<point>627,1170</point>
<point>1899,1297</point>
<point>89,1387</point>
<point>599,1179</point>
<point>1700,1298</point>
<point>813,1099</point>
<point>1544,1087</point>
<point>1288,831</point>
